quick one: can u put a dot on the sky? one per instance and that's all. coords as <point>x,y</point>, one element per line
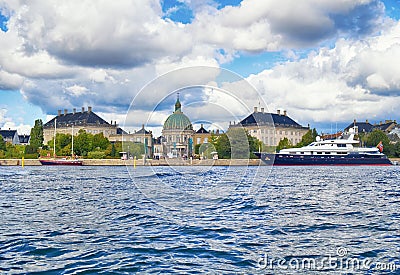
<point>326,62</point>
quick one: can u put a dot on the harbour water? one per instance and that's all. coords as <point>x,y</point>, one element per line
<point>200,220</point>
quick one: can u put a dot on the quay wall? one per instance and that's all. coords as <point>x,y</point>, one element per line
<point>140,162</point>
<point>152,162</point>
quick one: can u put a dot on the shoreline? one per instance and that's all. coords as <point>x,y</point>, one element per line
<point>149,162</point>
<point>152,162</point>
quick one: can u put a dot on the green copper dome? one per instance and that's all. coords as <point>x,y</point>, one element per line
<point>178,121</point>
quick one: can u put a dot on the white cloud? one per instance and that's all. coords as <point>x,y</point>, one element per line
<point>268,25</point>
<point>6,123</point>
<point>9,81</point>
<point>77,90</point>
<point>355,79</point>
<point>77,53</point>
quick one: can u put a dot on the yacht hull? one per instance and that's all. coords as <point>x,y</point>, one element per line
<point>339,160</point>
<point>61,162</point>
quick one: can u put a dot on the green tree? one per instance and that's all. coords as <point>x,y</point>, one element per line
<point>37,138</point>
<point>254,145</point>
<point>377,136</point>
<point>134,149</point>
<point>63,144</point>
<point>283,144</point>
<point>236,143</point>
<point>397,149</point>
<point>14,151</point>
<point>197,148</point>
<point>83,143</point>
<point>99,141</point>
<point>118,148</point>
<point>113,151</point>
<point>308,138</point>
<point>223,146</point>
<point>2,143</point>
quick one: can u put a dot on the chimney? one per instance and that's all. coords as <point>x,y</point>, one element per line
<point>142,126</point>
<point>255,109</point>
<point>366,121</point>
<point>202,125</point>
<point>83,109</point>
<point>111,122</point>
<point>65,112</point>
<point>284,113</point>
<point>89,109</point>
<point>218,130</point>
<point>59,113</point>
<point>278,112</point>
<point>115,123</point>
<point>262,110</point>
<point>74,110</point>
<point>380,122</point>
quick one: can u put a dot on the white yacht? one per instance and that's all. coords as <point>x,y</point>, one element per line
<point>328,152</point>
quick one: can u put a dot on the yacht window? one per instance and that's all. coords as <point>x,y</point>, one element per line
<point>327,153</point>
<point>319,153</point>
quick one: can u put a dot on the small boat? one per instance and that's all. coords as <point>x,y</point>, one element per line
<point>328,152</point>
<point>61,161</point>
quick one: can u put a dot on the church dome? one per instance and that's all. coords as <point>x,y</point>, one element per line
<point>178,120</point>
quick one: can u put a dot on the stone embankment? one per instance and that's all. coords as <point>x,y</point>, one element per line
<point>152,162</point>
<point>141,162</point>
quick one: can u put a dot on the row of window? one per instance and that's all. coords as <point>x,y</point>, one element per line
<point>105,132</point>
<point>198,141</point>
<point>180,139</point>
<point>278,132</point>
<point>273,141</point>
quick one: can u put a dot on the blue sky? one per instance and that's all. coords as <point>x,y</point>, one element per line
<point>320,61</point>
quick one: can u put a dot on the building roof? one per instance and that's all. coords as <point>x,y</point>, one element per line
<point>363,127</point>
<point>385,126</point>
<point>177,120</point>
<point>262,118</point>
<point>202,130</point>
<point>121,131</point>
<point>77,118</point>
<point>24,138</point>
<point>8,134</point>
<point>366,127</point>
<point>142,131</point>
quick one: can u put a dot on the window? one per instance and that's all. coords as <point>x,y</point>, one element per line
<point>198,140</point>
<point>205,140</point>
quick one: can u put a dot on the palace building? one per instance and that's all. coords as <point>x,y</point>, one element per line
<point>177,134</point>
<point>73,122</point>
<point>270,128</point>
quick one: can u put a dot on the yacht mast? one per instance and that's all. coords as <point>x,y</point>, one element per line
<point>72,147</point>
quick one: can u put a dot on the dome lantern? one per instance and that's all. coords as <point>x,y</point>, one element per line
<point>178,105</point>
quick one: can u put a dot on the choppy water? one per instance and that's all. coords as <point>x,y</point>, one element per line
<point>89,220</point>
